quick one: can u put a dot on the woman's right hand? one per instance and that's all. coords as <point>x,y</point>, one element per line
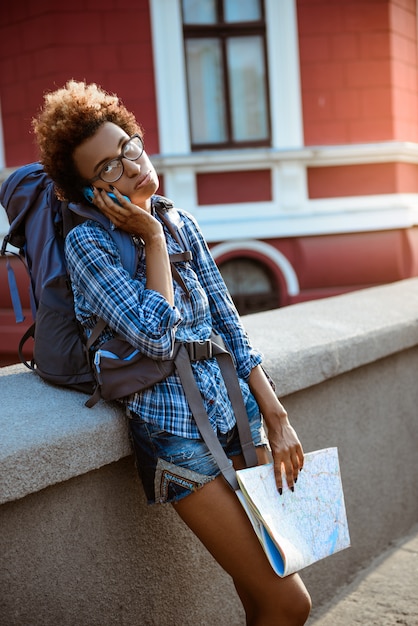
<point>139,222</point>
<point>127,216</point>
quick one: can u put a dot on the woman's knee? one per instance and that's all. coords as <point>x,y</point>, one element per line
<point>298,612</point>
<point>286,602</point>
<point>296,603</point>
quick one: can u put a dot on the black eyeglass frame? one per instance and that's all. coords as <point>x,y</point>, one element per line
<point>119,158</point>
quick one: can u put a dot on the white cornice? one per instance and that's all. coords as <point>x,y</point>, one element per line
<point>312,156</point>
<point>382,152</point>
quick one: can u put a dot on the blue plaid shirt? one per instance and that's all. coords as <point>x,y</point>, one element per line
<point>103,288</point>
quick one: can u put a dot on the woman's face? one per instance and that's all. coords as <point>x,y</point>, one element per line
<point>139,180</point>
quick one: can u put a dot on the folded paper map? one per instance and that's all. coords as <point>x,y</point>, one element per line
<point>297,528</point>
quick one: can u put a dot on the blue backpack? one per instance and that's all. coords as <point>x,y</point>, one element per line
<point>39,223</point>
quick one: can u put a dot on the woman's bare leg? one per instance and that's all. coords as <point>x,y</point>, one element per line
<point>217,518</point>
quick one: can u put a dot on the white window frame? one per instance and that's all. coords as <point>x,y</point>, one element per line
<point>170,76</point>
<point>176,160</point>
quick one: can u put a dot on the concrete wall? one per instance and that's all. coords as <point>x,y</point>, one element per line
<point>79,545</point>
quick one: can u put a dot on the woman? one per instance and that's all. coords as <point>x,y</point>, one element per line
<point>88,139</point>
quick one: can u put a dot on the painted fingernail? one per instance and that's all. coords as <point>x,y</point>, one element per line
<point>112,187</point>
<point>292,489</point>
<point>296,480</point>
<point>280,490</point>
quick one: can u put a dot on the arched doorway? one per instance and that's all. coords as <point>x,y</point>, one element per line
<point>257,274</point>
<point>251,284</point>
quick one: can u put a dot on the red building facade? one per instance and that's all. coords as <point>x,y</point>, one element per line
<point>325,201</point>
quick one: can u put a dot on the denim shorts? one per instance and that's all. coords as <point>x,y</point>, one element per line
<point>172,467</point>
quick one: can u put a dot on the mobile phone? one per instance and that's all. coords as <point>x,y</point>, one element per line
<point>89,196</point>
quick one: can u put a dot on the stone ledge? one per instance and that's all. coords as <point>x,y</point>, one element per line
<point>308,343</point>
<point>49,436</point>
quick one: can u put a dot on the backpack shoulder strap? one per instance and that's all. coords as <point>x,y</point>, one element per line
<point>75,214</point>
<point>171,218</point>
<point>127,250</point>
<point>218,350</point>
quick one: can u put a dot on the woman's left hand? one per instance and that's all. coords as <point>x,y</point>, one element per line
<point>286,449</point>
<point>285,446</point>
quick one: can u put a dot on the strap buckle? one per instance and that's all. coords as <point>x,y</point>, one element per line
<point>199,350</point>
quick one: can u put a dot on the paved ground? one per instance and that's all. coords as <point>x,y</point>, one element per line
<point>384,594</point>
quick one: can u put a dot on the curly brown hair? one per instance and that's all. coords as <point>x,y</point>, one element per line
<point>69,116</point>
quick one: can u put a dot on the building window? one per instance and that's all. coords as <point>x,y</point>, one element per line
<point>226,68</point>
<point>251,285</point>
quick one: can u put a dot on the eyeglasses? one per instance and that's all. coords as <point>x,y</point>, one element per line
<point>113,170</point>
